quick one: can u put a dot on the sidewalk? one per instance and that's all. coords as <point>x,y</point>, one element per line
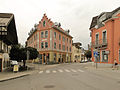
<point>92,66</point>
<point>9,75</point>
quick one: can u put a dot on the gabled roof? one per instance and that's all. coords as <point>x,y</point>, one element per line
<point>5,18</point>
<point>7,21</point>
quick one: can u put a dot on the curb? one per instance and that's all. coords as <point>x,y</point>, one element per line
<point>15,77</point>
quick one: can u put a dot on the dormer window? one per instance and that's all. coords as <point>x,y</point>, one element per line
<point>43,23</point>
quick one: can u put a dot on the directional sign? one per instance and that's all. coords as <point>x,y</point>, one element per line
<point>95,54</point>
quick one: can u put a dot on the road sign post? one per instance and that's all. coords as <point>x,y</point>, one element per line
<point>96,57</point>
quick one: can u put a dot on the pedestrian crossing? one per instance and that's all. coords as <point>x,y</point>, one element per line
<point>61,71</point>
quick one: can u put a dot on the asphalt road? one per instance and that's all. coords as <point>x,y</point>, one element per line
<point>66,77</point>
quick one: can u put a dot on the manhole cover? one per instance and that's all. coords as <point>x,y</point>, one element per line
<point>118,82</point>
<point>49,86</point>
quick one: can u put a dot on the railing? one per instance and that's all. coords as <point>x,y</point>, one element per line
<point>99,43</point>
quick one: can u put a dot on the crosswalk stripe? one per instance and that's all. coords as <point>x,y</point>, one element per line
<point>60,70</point>
<point>47,71</point>
<point>40,72</point>
<point>67,70</point>
<point>73,70</point>
<point>80,70</point>
<point>54,71</point>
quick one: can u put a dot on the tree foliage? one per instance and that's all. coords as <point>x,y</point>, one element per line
<point>88,54</point>
<point>20,53</point>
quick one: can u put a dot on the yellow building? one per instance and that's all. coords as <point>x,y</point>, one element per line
<point>77,52</point>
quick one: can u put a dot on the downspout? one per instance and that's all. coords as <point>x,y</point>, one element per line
<point>113,42</point>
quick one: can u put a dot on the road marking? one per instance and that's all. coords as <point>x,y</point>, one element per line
<point>67,70</point>
<point>73,70</point>
<point>60,70</point>
<point>40,72</point>
<point>80,70</point>
<point>54,71</point>
<point>47,71</point>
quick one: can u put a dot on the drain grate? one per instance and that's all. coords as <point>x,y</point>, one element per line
<point>49,86</point>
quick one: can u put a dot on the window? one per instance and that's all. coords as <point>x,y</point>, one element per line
<point>42,45</point>
<point>104,37</point>
<point>97,39</point>
<point>54,34</point>
<point>63,39</point>
<point>43,23</point>
<point>104,57</point>
<point>67,48</point>
<point>46,34</point>
<point>59,37</point>
<point>119,55</point>
<point>46,44</point>
<point>59,46</point>
<point>42,34</point>
<point>63,47</point>
<point>70,41</point>
<point>54,45</point>
<point>70,49</point>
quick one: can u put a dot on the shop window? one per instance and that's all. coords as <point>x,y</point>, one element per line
<point>104,57</point>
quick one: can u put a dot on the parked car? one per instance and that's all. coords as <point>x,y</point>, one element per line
<point>13,62</point>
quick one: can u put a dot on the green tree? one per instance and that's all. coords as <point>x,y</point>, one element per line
<point>15,53</point>
<point>88,54</point>
<point>20,53</point>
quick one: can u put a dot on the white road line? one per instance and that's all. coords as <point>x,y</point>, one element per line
<point>73,70</point>
<point>40,72</point>
<point>54,71</point>
<point>67,70</point>
<point>80,70</point>
<point>47,71</point>
<point>60,70</point>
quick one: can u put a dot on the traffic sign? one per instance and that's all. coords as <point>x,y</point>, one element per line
<point>95,54</point>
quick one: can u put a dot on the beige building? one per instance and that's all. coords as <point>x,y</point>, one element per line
<point>77,52</point>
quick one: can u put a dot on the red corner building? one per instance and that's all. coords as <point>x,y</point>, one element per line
<point>105,38</point>
<point>52,42</point>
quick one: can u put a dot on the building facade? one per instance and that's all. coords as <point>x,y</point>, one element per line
<point>105,37</point>
<point>8,37</point>
<point>77,52</point>
<point>52,42</point>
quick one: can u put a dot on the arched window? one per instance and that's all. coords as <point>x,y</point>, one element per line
<point>43,23</point>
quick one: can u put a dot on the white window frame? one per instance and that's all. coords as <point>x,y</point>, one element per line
<point>95,37</point>
<point>102,34</point>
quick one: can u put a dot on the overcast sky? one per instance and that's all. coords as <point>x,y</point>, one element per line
<point>75,15</point>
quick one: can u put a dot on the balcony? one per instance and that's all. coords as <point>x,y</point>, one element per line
<point>102,43</point>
